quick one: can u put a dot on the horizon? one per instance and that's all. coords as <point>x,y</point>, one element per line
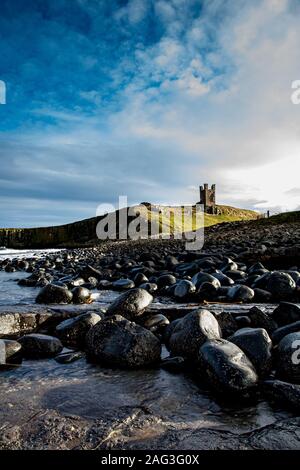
<point>147,98</point>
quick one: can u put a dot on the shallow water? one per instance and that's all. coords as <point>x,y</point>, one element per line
<point>92,392</point>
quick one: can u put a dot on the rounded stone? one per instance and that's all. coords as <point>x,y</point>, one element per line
<point>72,332</point>
<point>257,345</point>
<point>118,342</point>
<point>81,295</point>
<point>38,346</point>
<point>130,304</point>
<point>227,368</point>
<point>281,285</point>
<point>191,331</point>
<point>52,294</point>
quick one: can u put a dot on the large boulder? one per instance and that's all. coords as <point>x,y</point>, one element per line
<point>284,393</point>
<point>38,346</point>
<point>286,313</point>
<point>283,331</point>
<point>227,368</point>
<point>240,293</point>
<point>288,358</point>
<point>116,341</point>
<point>72,332</point>
<point>201,278</point>
<point>191,331</point>
<point>81,295</point>
<point>257,345</point>
<point>131,304</point>
<point>281,285</point>
<point>52,294</point>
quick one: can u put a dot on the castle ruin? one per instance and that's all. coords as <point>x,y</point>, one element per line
<point>208,198</point>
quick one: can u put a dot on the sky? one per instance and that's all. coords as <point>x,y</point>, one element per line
<point>148,99</point>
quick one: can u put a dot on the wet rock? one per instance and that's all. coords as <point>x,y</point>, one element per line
<point>191,332</point>
<point>240,293</point>
<point>286,313</point>
<point>38,346</point>
<point>183,289</point>
<point>72,332</point>
<point>156,323</point>
<point>288,358</point>
<point>81,295</point>
<point>286,394</point>
<point>283,331</point>
<point>140,278</point>
<point>68,357</point>
<point>150,287</point>
<point>130,304</point>
<point>227,368</point>
<point>173,364</point>
<point>224,280</point>
<point>52,294</point>
<point>10,352</point>
<point>123,284</point>
<point>261,319</point>
<point>201,278</point>
<point>166,280</point>
<point>257,345</point>
<point>118,342</point>
<point>281,285</point>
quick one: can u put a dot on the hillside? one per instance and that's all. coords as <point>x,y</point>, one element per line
<point>83,233</point>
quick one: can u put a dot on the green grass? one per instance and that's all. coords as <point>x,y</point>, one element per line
<point>174,224</point>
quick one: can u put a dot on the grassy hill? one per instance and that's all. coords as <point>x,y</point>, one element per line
<point>169,218</point>
<point>83,232</point>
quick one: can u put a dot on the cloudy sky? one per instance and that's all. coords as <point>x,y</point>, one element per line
<point>149,99</point>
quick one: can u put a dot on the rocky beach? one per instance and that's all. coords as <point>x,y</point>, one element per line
<point>146,345</point>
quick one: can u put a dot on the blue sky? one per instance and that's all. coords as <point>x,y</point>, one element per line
<point>149,99</point>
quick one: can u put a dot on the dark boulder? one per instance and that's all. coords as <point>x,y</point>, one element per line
<point>123,284</point>
<point>283,331</point>
<point>166,280</point>
<point>183,289</point>
<point>286,394</point>
<point>52,294</point>
<point>240,293</point>
<point>131,304</point>
<point>281,285</point>
<point>257,345</point>
<point>288,358</point>
<point>81,295</point>
<point>72,332</point>
<point>191,332</point>
<point>227,368</point>
<point>201,278</point>
<point>38,346</point>
<point>118,342</point>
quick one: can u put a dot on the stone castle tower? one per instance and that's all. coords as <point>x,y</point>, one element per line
<point>208,198</point>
